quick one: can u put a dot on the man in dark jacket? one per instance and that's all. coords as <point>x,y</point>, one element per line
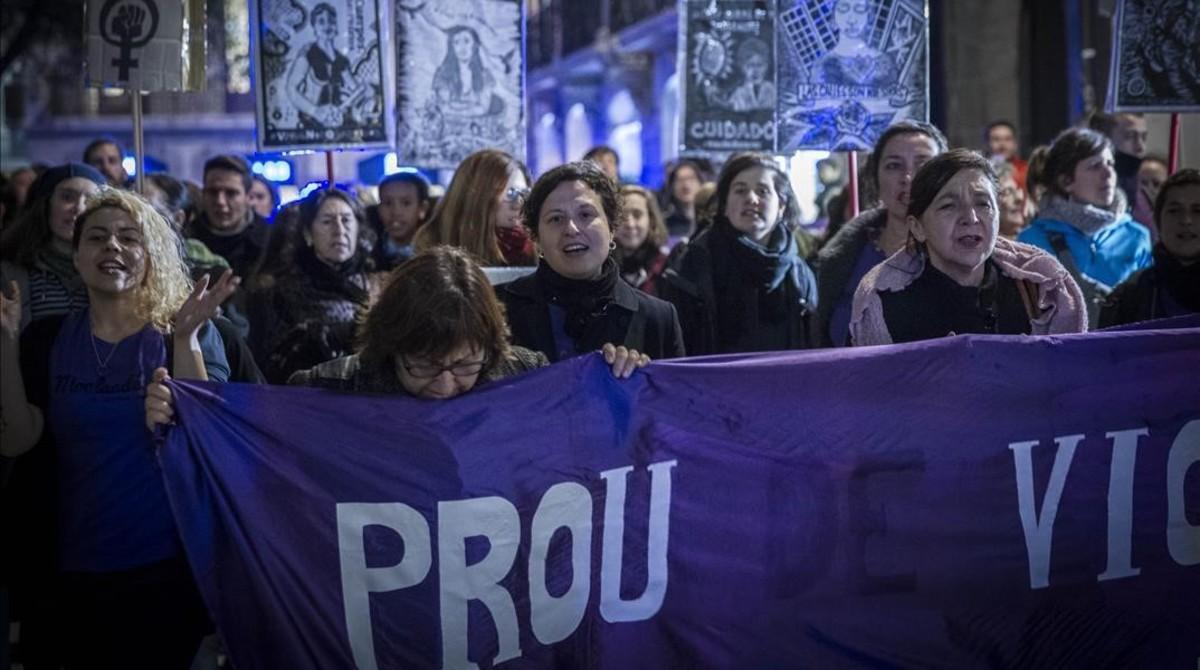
<point>227,224</point>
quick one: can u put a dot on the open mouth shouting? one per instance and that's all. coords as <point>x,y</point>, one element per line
<point>575,249</point>
<point>969,242</point>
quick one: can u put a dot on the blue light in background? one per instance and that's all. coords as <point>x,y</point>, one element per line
<point>278,171</point>
<point>310,187</point>
<point>129,162</point>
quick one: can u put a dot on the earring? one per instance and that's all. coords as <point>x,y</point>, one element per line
<point>612,245</point>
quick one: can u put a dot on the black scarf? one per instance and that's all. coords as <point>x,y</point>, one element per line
<point>753,284</point>
<point>584,300</point>
<point>344,280</point>
<point>1181,281</point>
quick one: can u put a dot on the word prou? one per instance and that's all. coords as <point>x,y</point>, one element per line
<point>566,506</point>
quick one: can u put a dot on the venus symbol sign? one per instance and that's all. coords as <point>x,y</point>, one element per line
<point>128,25</point>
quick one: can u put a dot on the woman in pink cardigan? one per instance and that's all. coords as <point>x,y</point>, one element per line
<point>957,275</point>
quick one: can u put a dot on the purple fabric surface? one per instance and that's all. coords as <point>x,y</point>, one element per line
<point>845,508</point>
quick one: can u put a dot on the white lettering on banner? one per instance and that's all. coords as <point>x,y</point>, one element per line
<point>1183,539</point>
<point>567,505</point>
<point>359,581</point>
<point>496,519</point>
<point>612,607</point>
<point>1040,527</point>
<point>1120,504</point>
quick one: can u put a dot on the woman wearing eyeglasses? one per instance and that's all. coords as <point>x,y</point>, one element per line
<point>436,332</point>
<point>481,211</point>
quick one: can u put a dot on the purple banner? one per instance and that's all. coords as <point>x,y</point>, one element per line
<point>965,502</point>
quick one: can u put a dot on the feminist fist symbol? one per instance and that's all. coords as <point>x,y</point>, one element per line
<point>128,30</point>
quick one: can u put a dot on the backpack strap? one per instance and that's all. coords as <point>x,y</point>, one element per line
<point>1094,292</point>
<point>1029,296</point>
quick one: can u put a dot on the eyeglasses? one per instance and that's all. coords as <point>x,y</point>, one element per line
<point>430,370</point>
<point>514,194</point>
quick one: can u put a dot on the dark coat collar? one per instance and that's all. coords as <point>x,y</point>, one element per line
<point>529,288</point>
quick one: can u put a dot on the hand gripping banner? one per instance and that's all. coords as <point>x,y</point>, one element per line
<point>965,502</point>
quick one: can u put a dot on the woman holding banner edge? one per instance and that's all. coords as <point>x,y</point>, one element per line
<point>956,275</point>
<point>436,332</point>
<point>95,527</point>
<point>576,301</point>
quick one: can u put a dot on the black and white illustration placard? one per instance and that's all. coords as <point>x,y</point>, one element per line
<point>729,91</point>
<point>1155,57</point>
<point>460,79</point>
<point>319,74</point>
<point>847,70</point>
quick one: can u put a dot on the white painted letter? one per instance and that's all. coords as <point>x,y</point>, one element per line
<point>1039,528</point>
<point>496,519</point>
<point>567,505</point>
<point>1183,539</point>
<point>1120,504</point>
<point>612,608</point>
<point>359,581</point>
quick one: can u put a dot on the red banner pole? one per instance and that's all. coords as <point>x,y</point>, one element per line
<point>1173,155</point>
<point>329,167</point>
<point>853,167</point>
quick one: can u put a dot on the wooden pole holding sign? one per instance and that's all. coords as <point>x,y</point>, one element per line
<point>1173,150</point>
<point>139,151</point>
<point>853,167</point>
<point>329,167</point>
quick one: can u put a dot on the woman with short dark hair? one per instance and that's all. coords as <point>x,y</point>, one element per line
<point>871,237</point>
<point>402,210</point>
<point>576,301</point>
<point>684,180</point>
<point>1170,287</point>
<point>1082,218</point>
<point>957,275</point>
<point>741,285</point>
<point>306,313</point>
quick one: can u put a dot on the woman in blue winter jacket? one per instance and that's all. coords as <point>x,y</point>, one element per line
<point>1082,218</point>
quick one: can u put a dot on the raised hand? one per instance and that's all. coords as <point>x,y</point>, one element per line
<point>623,361</point>
<point>160,405</point>
<point>203,303</point>
<point>10,312</point>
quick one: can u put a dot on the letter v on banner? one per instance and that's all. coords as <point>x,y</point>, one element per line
<point>1039,528</point>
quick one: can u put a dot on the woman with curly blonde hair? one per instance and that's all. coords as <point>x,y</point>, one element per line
<point>86,492</point>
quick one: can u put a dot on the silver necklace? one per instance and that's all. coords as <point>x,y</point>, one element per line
<point>96,350</point>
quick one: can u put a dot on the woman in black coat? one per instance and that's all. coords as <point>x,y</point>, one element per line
<point>741,285</point>
<point>576,301</point>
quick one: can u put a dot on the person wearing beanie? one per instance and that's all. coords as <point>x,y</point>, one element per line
<point>36,250</point>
